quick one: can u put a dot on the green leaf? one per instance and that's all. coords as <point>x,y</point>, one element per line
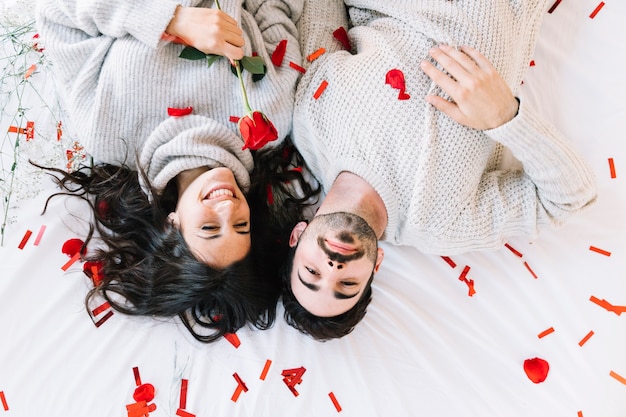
<point>211,58</point>
<point>191,53</point>
<point>259,77</point>
<point>253,64</point>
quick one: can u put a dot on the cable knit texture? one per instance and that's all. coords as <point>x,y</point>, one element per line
<point>442,183</point>
<point>117,78</point>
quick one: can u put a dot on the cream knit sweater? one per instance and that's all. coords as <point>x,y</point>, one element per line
<point>117,78</point>
<point>441,182</point>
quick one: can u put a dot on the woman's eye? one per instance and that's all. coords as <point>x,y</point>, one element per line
<point>240,225</point>
<point>209,228</point>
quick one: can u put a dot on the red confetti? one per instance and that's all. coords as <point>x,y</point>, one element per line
<point>144,392</point>
<point>293,377</point>
<point>174,112</point>
<point>140,409</point>
<point>586,338</point>
<point>266,368</point>
<point>516,252</point>
<point>30,131</point>
<point>600,251</point>
<point>233,339</point>
<point>103,319</point>
<point>608,306</point>
<point>4,401</point>
<point>71,262</point>
<point>42,229</point>
<point>236,394</point>
<point>580,414</point>
<point>234,119</point>
<point>612,168</point>
<point>270,194</point>
<point>312,57</point>
<point>93,271</point>
<point>618,377</point>
<point>545,333</point>
<point>101,308</point>
<point>468,282</point>
<point>30,71</point>
<point>24,240</point>
<point>279,53</point>
<point>536,369</point>
<point>183,413</point>
<point>335,402</point>
<point>240,382</point>
<point>296,67</point>
<point>15,129</point>
<point>59,131</point>
<point>183,394</point>
<point>554,6</point>
<point>72,247</point>
<point>596,10</point>
<point>320,89</point>
<point>395,78</point>
<point>532,62</point>
<point>530,270</point>
<point>137,376</point>
<point>342,36</point>
<point>449,261</point>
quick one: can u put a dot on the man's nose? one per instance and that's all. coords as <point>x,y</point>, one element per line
<point>335,264</point>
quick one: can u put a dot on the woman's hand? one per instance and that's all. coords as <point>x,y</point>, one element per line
<point>481,98</point>
<point>209,30</point>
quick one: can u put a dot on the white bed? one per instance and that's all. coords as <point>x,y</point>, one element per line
<point>425,348</point>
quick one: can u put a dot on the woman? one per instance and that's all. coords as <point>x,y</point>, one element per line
<point>171,176</point>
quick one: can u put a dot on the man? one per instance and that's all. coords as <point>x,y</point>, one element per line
<point>421,166</point>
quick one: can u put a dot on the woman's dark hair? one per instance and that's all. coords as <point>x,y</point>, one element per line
<point>148,269</point>
<point>320,328</point>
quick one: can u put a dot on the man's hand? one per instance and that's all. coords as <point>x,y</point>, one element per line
<point>209,30</point>
<point>481,98</point>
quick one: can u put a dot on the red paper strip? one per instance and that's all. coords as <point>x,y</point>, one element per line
<point>596,10</point>
<point>140,409</point>
<point>183,413</point>
<point>449,261</point>
<point>137,376</point>
<point>530,270</point>
<point>320,89</point>
<point>233,119</point>
<point>240,382</point>
<point>532,63</point>
<point>468,282</point>
<point>59,131</point>
<point>30,71</point>
<point>279,53</point>
<point>586,338</point>
<point>270,194</point>
<point>237,393</point>
<point>15,129</point>
<point>612,168</point>
<point>171,111</point>
<point>580,414</point>
<point>554,6</point>
<point>618,377</point>
<point>608,306</point>
<point>335,402</point>
<point>545,332</point>
<point>5,406</point>
<point>71,262</point>
<point>296,67</point>
<point>30,131</point>
<point>183,394</point>
<point>600,251</point>
<point>292,377</point>
<point>39,235</point>
<point>24,240</point>
<point>266,368</point>
<point>104,319</point>
<point>515,251</point>
<point>233,339</point>
<point>100,309</point>
<point>318,53</point>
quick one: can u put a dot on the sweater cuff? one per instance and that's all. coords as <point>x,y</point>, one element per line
<point>147,20</point>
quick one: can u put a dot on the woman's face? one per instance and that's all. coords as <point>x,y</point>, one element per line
<point>214,218</point>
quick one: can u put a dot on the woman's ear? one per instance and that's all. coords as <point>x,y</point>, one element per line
<point>174,219</point>
<point>296,232</point>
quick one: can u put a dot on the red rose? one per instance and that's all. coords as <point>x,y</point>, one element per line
<point>72,246</point>
<point>256,132</point>
<point>536,369</point>
<point>144,392</point>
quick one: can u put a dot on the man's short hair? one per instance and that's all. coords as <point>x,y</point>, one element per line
<point>320,328</point>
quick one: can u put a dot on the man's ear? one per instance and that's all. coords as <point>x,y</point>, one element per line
<point>296,232</point>
<point>174,219</point>
<point>379,259</point>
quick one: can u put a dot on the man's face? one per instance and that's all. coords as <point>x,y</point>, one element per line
<point>335,257</point>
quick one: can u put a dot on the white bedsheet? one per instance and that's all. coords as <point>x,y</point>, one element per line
<point>425,348</point>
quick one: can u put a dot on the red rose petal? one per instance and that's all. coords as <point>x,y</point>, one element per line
<point>279,53</point>
<point>144,392</point>
<point>395,78</point>
<point>93,271</point>
<point>72,246</point>
<point>536,369</point>
<point>171,111</point>
<point>342,36</point>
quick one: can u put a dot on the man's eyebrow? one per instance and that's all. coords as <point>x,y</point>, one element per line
<point>338,295</point>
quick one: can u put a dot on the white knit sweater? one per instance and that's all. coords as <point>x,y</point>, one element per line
<point>117,78</point>
<point>441,182</point>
